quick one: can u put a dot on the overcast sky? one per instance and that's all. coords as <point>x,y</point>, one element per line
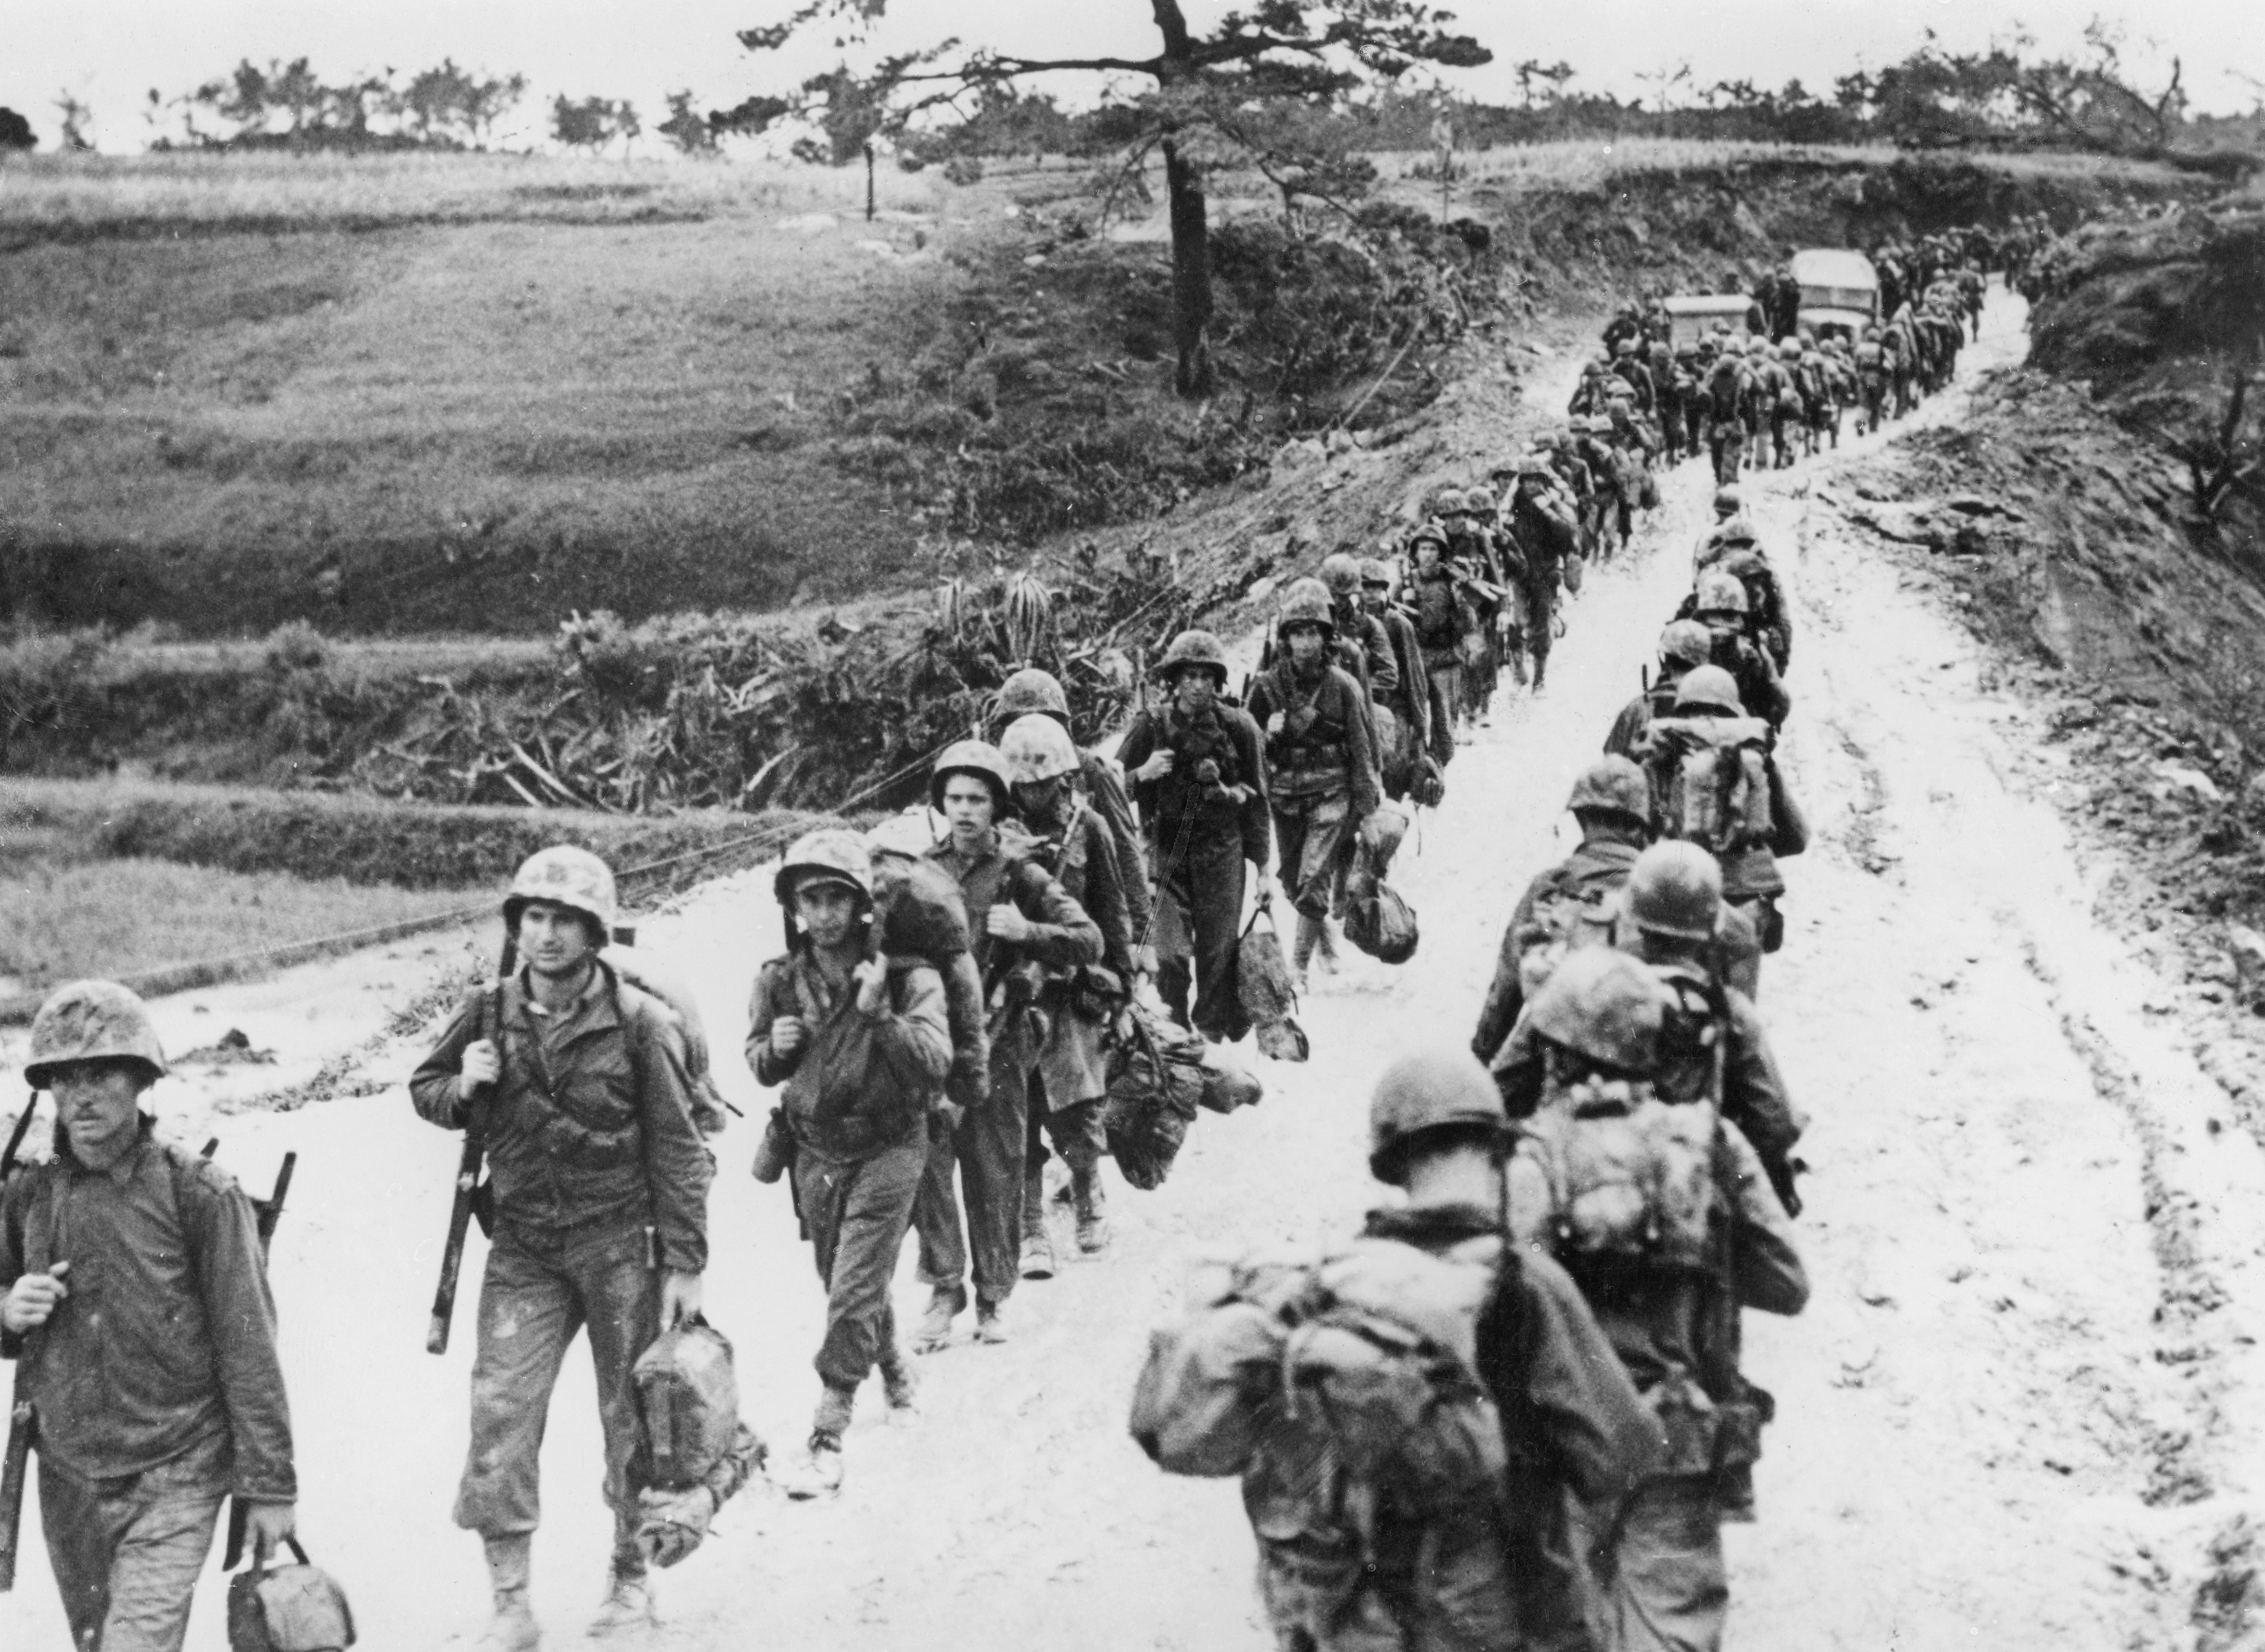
<point>110,53</point>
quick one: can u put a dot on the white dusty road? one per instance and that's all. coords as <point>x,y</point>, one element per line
<point>2014,1416</point>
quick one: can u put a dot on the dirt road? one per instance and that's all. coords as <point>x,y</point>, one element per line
<point>2016,1414</point>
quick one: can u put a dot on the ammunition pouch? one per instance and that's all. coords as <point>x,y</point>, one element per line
<point>1738,1448</point>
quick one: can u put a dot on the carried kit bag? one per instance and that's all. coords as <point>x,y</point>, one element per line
<point>1268,993</point>
<point>1381,924</point>
<point>688,1400</point>
<point>919,915</point>
<point>1157,1079</point>
<point>1619,1175</point>
<point>288,1609</point>
<point>1710,782</point>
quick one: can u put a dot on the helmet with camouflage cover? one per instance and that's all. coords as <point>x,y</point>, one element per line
<point>1377,573</point>
<point>1340,572</point>
<point>1429,534</point>
<point>1037,748</point>
<point>1601,1003</point>
<point>1789,351</point>
<point>1729,501</point>
<point>92,1021</point>
<point>831,854</point>
<point>1625,348</point>
<point>1307,603</point>
<point>1719,592</point>
<point>1449,503</point>
<point>979,758</point>
<point>1479,501</point>
<point>1686,643</point>
<point>564,876</point>
<point>1676,888</point>
<point>1193,649</point>
<point>1739,530</point>
<point>1433,1089</point>
<point>1709,688</point>
<point>1028,690</point>
<point>1611,785</point>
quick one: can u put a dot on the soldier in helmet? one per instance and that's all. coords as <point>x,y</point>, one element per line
<point>1363,648</point>
<point>1547,537</point>
<point>1597,1030</point>
<point>861,1043</point>
<point>1321,779</point>
<point>1345,1562</point>
<point>1719,603</point>
<point>1099,781</point>
<point>1025,927</point>
<point>1723,393</point>
<point>1685,645</point>
<point>1409,700</point>
<point>1444,618</point>
<point>599,1183</point>
<point>1068,840</point>
<point>1571,904</point>
<point>134,1297</point>
<point>1199,768</point>
<point>1750,877</point>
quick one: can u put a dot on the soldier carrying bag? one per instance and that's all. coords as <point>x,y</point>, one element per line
<point>288,1609</point>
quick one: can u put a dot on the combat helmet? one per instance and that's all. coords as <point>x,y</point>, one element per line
<point>1612,785</point>
<point>1028,690</point>
<point>568,876</point>
<point>1711,688</point>
<point>1719,592</point>
<point>1686,643</point>
<point>1377,572</point>
<point>1480,501</point>
<point>92,1021</point>
<point>1341,573</point>
<point>1307,603</point>
<point>1037,748</point>
<point>1193,648</point>
<point>1433,1089</point>
<point>1729,501</point>
<point>1449,503</point>
<point>1676,888</point>
<point>1601,1003</point>
<point>831,854</point>
<point>979,758</point>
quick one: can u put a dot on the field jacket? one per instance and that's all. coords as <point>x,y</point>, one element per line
<point>1179,804</point>
<point>901,1055</point>
<point>589,1125</point>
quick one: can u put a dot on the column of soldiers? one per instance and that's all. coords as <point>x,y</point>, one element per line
<point>1591,1358</point>
<point>1513,1412</point>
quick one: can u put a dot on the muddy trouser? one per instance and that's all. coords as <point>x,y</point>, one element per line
<point>988,1145</point>
<point>1199,909</point>
<point>856,1211</point>
<point>1313,837</point>
<point>539,1290</point>
<point>1875,405</point>
<point>1779,453</point>
<point>1441,1587</point>
<point>1449,681</point>
<point>1667,1590</point>
<point>1076,1131</point>
<point>127,1552</point>
<point>1540,617</point>
<point>1695,419</point>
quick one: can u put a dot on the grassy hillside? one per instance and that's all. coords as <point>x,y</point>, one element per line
<point>473,394</point>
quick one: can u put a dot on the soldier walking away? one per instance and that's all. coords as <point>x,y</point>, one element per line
<point>1665,1272</point>
<point>1546,536</point>
<point>598,1191</point>
<point>861,1043</point>
<point>1684,645</point>
<point>1571,904</point>
<point>1198,771</point>
<point>1719,603</point>
<point>1024,927</point>
<point>1435,1510</point>
<point>1078,1004</point>
<point>1321,770</point>
<point>1099,782</point>
<point>137,1309</point>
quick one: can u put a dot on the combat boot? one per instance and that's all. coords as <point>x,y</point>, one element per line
<point>1037,1242</point>
<point>898,1385</point>
<point>990,1321</point>
<point>627,1604</point>
<point>819,1475</point>
<point>513,1627</point>
<point>947,1303</point>
<point>1092,1226</point>
<point>1301,948</point>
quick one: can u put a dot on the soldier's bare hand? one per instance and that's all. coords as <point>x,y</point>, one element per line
<point>482,1065</point>
<point>872,978</point>
<point>1006,923</point>
<point>1158,766</point>
<point>679,1299</point>
<point>33,1298</point>
<point>269,1524</point>
<point>787,1034</point>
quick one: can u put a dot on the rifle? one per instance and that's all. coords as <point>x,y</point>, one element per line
<point>14,1467</point>
<point>266,1211</point>
<point>468,1180</point>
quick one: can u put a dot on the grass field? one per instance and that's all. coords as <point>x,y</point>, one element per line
<point>64,916</point>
